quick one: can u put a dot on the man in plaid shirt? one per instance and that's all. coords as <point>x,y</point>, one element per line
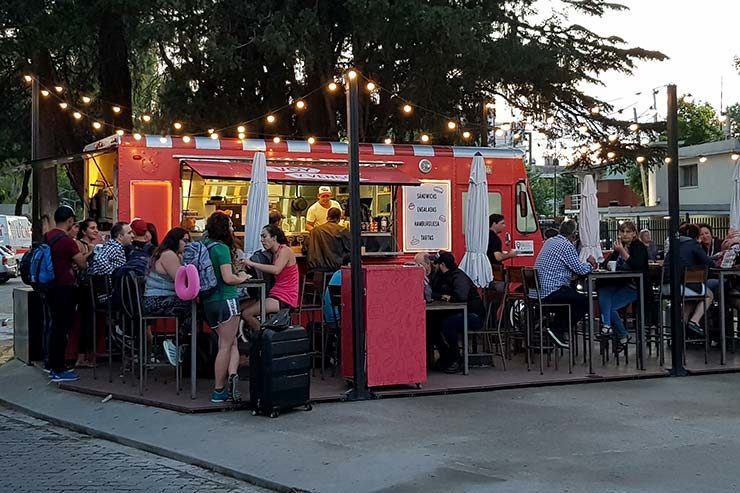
<point>112,254</point>
<point>556,266</point>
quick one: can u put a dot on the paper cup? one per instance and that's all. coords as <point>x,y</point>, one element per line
<point>611,266</point>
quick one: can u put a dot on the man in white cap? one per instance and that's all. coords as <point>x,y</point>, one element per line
<point>316,215</point>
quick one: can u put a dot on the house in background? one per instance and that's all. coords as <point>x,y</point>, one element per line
<point>612,191</point>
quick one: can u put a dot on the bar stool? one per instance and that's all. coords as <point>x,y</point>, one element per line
<point>491,325</point>
<point>513,312</point>
<point>537,307</point>
<point>311,299</point>
<point>100,294</point>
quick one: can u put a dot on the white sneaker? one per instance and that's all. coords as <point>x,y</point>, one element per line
<point>170,350</point>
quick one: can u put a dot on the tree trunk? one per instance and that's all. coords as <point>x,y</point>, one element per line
<point>114,74</point>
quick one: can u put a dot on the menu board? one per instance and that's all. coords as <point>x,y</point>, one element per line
<point>426,217</point>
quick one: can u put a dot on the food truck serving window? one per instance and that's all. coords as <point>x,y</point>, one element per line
<point>494,206</point>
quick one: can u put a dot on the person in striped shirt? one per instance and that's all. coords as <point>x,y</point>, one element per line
<point>557,264</point>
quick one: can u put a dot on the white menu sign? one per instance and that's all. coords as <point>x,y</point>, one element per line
<point>426,217</point>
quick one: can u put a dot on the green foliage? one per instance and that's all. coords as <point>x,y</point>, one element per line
<point>634,181</point>
<point>544,190</point>
<point>698,123</point>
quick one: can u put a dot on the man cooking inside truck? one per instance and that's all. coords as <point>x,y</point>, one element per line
<point>316,215</point>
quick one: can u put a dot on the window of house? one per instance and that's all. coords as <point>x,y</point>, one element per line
<point>689,176</point>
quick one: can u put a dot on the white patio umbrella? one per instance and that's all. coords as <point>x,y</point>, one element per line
<point>475,263</point>
<point>257,213</point>
<point>735,200</point>
<point>588,223</point>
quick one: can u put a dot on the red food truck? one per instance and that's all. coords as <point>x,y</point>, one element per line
<point>412,196</point>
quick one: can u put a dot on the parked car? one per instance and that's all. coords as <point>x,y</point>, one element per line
<point>8,264</point>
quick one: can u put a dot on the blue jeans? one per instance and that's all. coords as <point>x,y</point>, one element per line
<point>611,300</point>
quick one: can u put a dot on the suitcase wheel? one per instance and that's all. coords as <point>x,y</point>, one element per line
<point>254,413</point>
<point>274,414</point>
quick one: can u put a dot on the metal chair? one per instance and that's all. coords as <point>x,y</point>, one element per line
<point>513,312</point>
<point>100,295</point>
<point>311,298</point>
<point>133,285</point>
<point>491,327</point>
<point>335,296</point>
<point>538,307</point>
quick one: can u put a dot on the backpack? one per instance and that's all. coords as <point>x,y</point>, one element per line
<point>138,263</point>
<point>37,268</point>
<point>198,254</point>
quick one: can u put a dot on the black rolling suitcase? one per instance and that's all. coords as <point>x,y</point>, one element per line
<point>280,371</point>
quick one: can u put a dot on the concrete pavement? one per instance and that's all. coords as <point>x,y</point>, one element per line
<point>658,435</point>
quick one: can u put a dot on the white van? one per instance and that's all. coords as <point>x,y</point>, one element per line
<point>15,232</point>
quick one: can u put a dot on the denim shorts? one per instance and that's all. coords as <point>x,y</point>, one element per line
<point>219,312</point>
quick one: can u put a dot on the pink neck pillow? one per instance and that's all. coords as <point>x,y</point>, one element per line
<point>187,282</point>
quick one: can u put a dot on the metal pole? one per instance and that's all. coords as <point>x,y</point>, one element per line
<point>36,226</point>
<point>484,125</point>
<point>677,368</point>
<point>555,194</point>
<point>360,390</point>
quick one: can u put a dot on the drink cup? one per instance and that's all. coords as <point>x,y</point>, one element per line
<point>611,266</point>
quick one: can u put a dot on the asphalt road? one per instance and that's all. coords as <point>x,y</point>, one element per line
<point>6,308</point>
<point>38,457</point>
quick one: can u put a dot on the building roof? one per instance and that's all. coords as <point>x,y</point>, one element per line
<point>710,148</point>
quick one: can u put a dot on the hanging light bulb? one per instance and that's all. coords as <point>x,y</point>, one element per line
<point>86,99</point>
<point>407,108</point>
<point>241,129</point>
<point>177,125</point>
<point>44,93</point>
<point>451,125</point>
<point>424,138</point>
<point>58,89</point>
<point>352,74</point>
<point>163,139</point>
<point>28,78</point>
<point>613,137</point>
<point>276,140</point>
<point>63,105</point>
<point>210,131</point>
<point>640,159</point>
<point>97,125</point>
<point>214,136</point>
<point>300,105</point>
<point>634,127</point>
<point>146,118</point>
<point>119,132</point>
<point>332,86</point>
<point>77,115</point>
<point>137,136</point>
<point>370,86</point>
<point>388,141</point>
<point>466,135</point>
<point>702,159</point>
<point>667,160</point>
<point>186,138</point>
<point>311,140</point>
<point>550,120</point>
<point>271,118</point>
<point>242,136</point>
<point>116,109</point>
<point>610,154</point>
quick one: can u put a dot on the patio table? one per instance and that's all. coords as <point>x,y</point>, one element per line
<point>721,274</point>
<point>448,305</point>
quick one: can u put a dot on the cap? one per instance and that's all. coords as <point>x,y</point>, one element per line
<point>325,191</point>
<point>446,258</point>
<point>139,227</point>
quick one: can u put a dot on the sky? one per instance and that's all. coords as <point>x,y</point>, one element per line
<point>700,37</point>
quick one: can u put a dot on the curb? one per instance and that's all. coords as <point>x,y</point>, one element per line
<point>153,449</point>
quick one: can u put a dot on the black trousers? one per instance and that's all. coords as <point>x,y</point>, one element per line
<point>62,306</point>
<point>567,295</point>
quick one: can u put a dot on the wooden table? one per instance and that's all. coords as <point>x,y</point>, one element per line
<point>448,305</point>
<point>721,274</point>
<point>605,274</point>
<point>251,283</point>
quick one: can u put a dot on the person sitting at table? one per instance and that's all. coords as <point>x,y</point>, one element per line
<point>646,237</point>
<point>328,245</point>
<point>556,265</point>
<point>629,254</point>
<point>733,238</point>
<point>711,245</point>
<point>284,294</point>
<point>160,297</point>
<point>422,260</point>
<point>455,286</point>
<point>691,255</point>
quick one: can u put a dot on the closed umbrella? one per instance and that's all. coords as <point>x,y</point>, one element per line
<point>735,201</point>
<point>475,263</point>
<point>257,213</point>
<point>588,227</point>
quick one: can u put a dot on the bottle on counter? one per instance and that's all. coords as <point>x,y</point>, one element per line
<point>384,225</point>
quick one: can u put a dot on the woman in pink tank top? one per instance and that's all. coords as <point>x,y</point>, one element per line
<point>284,294</point>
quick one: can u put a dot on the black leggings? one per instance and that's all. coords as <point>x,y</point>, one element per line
<point>62,304</point>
